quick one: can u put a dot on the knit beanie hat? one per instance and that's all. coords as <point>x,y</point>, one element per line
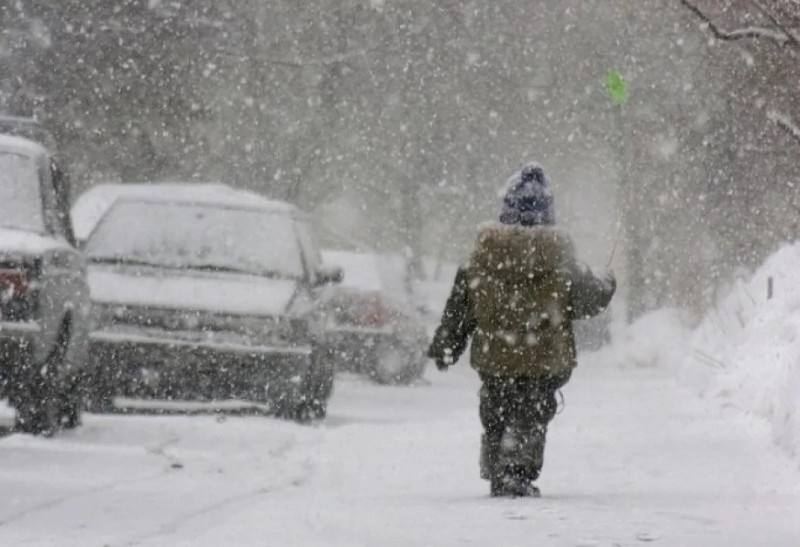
<point>528,200</point>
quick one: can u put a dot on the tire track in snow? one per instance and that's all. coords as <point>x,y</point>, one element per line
<point>298,471</point>
<point>44,506</point>
<point>173,526</point>
<point>158,450</point>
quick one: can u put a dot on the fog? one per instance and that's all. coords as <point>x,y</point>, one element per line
<point>394,123</point>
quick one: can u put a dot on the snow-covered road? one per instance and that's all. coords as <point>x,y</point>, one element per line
<point>632,460</point>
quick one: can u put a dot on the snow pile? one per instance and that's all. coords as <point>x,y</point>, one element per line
<point>657,339</point>
<point>745,352</point>
<point>747,349</point>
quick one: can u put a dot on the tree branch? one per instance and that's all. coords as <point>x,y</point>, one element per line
<point>779,36</point>
<point>785,123</point>
<point>790,34</point>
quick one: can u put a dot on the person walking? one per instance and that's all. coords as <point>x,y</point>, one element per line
<point>516,298</point>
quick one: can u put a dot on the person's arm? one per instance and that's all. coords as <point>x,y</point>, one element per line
<point>456,326</point>
<point>588,294</point>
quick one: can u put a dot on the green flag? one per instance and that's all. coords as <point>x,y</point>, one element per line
<point>616,86</point>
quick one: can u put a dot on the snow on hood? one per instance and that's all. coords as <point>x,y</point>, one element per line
<point>226,293</point>
<point>28,242</point>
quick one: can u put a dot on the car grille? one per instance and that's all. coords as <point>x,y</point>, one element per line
<point>274,330</point>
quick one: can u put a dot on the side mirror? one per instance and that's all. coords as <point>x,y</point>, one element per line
<point>329,275</point>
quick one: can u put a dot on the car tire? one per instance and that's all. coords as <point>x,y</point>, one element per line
<point>38,410</point>
<point>316,391</point>
<point>70,413</point>
<point>44,403</point>
<point>71,405</point>
<point>309,409</point>
<point>38,403</point>
<point>304,410</point>
<point>98,393</point>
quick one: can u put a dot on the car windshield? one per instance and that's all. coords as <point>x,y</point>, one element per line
<point>203,237</point>
<point>20,193</point>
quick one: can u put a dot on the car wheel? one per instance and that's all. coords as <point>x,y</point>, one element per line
<point>38,403</point>
<point>98,392</point>
<point>71,405</point>
<point>312,403</point>
<point>44,403</point>
<point>309,409</point>
<point>393,365</point>
<point>303,410</point>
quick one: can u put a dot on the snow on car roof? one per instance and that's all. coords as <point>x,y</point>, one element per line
<point>360,269</point>
<point>93,204</point>
<point>20,145</point>
<point>386,273</point>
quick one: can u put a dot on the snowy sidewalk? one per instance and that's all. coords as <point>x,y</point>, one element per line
<point>632,460</point>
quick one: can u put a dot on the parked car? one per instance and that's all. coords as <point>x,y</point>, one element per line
<point>372,325</point>
<point>28,128</point>
<point>44,296</point>
<point>203,292</point>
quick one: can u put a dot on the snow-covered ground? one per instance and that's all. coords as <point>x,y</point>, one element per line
<point>634,458</point>
<point>663,440</point>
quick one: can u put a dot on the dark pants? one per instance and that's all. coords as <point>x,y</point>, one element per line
<point>515,412</point>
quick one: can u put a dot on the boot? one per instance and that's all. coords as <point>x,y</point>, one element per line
<point>512,485</point>
<point>488,458</point>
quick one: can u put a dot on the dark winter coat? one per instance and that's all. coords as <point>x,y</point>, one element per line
<point>517,298</point>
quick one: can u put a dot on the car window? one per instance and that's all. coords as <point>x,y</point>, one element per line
<point>199,237</point>
<point>20,193</point>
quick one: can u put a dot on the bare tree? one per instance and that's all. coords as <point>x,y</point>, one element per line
<point>778,22</point>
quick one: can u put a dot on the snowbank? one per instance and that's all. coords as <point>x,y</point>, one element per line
<point>745,352</point>
<point>747,349</point>
<point>658,339</point>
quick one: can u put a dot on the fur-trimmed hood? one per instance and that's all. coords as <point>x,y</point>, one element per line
<point>512,250</point>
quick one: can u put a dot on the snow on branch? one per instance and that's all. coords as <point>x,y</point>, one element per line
<point>785,123</point>
<point>791,34</point>
<point>780,35</point>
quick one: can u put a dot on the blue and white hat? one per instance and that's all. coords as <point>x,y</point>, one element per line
<point>528,200</point>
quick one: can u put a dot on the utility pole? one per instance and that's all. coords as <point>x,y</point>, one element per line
<point>629,220</point>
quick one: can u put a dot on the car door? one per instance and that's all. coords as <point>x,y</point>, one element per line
<point>312,259</point>
<point>64,298</point>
